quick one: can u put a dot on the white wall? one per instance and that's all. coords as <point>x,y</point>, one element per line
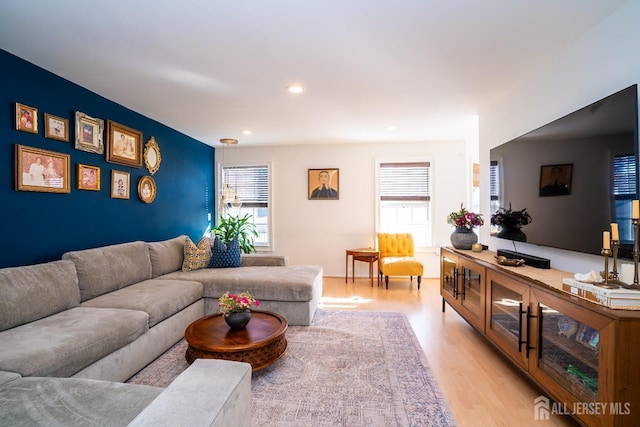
<point>602,62</point>
<point>319,231</point>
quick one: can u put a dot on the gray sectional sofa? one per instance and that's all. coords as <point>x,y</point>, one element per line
<point>71,331</point>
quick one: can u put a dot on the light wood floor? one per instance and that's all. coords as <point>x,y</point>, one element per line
<point>482,388</point>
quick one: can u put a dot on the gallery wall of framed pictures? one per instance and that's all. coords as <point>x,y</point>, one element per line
<point>61,189</point>
<point>48,171</point>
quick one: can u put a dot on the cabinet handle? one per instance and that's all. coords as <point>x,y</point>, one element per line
<point>520,313</point>
<point>539,330</point>
<point>464,281</point>
<point>529,317</point>
<point>455,282</point>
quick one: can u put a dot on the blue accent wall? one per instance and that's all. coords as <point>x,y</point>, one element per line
<point>39,227</point>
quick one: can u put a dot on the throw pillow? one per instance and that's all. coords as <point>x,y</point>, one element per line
<point>225,255</point>
<point>196,256</point>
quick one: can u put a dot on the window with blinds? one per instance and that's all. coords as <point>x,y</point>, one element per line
<point>252,186</point>
<point>494,188</point>
<point>625,187</point>
<point>404,181</point>
<point>404,196</point>
<point>624,177</point>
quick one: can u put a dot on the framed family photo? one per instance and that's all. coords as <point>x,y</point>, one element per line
<point>26,118</point>
<point>124,145</point>
<point>120,184</point>
<point>88,177</point>
<point>41,170</point>
<point>323,184</point>
<point>56,127</point>
<point>588,337</point>
<point>147,189</point>
<point>89,131</point>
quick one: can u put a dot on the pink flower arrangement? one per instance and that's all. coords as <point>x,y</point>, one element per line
<point>236,303</point>
<point>465,219</point>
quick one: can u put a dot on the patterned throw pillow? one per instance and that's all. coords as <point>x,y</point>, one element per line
<point>225,255</point>
<point>196,256</point>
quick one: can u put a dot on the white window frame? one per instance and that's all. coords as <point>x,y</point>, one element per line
<point>430,206</point>
<point>259,247</point>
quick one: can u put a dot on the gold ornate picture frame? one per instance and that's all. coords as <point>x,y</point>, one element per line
<point>88,177</point>
<point>152,156</point>
<point>124,145</point>
<point>56,127</point>
<point>147,189</point>
<point>41,170</point>
<point>89,131</point>
<point>26,118</point>
<point>120,184</point>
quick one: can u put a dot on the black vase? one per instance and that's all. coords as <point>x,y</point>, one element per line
<point>513,232</point>
<point>239,320</point>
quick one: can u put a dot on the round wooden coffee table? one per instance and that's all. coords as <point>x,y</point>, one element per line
<point>261,343</point>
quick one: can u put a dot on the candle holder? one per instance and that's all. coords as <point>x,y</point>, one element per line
<point>606,253</point>
<point>635,222</point>
<point>635,285</point>
<point>614,276</point>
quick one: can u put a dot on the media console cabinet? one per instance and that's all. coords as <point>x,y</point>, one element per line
<point>584,356</point>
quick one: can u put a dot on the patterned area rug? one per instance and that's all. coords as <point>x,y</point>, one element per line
<point>349,368</point>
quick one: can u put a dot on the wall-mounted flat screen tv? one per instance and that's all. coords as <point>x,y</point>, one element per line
<point>575,176</point>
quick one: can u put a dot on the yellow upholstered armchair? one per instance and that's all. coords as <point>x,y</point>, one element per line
<point>396,257</point>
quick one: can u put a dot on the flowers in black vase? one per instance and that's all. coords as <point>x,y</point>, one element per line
<point>509,218</point>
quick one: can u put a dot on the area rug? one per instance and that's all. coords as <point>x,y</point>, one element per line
<point>349,368</point>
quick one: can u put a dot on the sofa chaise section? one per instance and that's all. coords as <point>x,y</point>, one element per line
<point>292,291</point>
<point>208,393</point>
<point>45,401</point>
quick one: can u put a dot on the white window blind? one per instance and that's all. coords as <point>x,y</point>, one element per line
<point>404,197</point>
<point>494,183</point>
<point>405,181</point>
<point>251,184</point>
<point>624,176</point>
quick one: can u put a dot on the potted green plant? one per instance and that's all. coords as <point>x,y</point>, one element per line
<point>230,227</point>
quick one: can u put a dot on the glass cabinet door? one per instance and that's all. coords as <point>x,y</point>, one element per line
<point>568,352</point>
<point>571,344</point>
<point>471,292</point>
<point>507,316</point>
<point>449,276</point>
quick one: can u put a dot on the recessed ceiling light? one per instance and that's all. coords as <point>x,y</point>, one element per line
<point>295,89</point>
<point>246,132</point>
<point>391,127</point>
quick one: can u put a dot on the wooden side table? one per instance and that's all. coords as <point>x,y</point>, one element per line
<point>368,255</point>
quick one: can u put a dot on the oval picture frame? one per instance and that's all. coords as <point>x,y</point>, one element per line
<point>146,189</point>
<point>152,156</point>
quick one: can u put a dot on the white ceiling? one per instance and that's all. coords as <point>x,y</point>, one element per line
<point>212,68</point>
